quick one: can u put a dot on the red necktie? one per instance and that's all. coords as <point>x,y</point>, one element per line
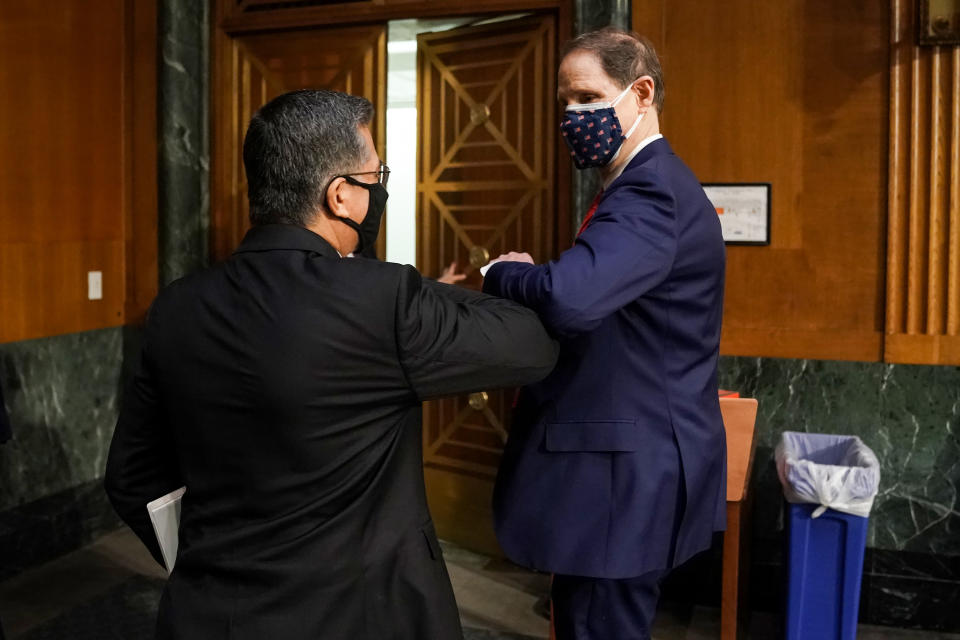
<point>589,216</point>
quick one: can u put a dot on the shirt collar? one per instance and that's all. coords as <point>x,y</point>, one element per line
<point>269,237</point>
<point>616,174</point>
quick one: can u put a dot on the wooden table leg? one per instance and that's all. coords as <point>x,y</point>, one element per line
<point>553,632</point>
<point>743,585</point>
<point>730,579</point>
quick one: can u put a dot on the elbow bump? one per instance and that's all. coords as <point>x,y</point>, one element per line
<point>549,359</point>
<point>567,321</point>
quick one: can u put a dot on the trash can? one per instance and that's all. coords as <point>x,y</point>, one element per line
<point>829,482</point>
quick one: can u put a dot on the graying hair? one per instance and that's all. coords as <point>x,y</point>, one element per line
<point>295,145</point>
<point>624,56</point>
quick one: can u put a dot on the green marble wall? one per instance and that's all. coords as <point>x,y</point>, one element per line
<point>909,415</point>
<point>62,397</point>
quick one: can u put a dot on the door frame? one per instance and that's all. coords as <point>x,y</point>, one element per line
<point>232,20</point>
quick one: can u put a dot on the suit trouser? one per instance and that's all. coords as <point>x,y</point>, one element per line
<point>605,609</point>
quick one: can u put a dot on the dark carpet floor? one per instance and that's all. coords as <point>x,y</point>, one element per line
<point>128,611</point>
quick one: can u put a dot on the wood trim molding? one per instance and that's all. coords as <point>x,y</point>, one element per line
<point>141,249</point>
<point>923,244</point>
<point>813,344</point>
<point>233,19</point>
<point>922,349</point>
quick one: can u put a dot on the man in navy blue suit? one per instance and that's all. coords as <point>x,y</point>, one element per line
<point>614,472</point>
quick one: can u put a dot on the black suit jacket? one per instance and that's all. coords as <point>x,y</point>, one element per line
<point>283,388</point>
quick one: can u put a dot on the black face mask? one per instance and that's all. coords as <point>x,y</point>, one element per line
<point>369,229</point>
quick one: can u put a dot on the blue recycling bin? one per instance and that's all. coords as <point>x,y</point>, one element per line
<point>830,483</point>
<point>824,568</point>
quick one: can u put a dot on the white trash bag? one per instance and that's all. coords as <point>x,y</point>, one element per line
<point>836,472</point>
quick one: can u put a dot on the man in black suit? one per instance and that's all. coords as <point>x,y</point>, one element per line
<point>282,387</point>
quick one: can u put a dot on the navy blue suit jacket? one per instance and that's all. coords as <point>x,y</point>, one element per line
<point>616,462</point>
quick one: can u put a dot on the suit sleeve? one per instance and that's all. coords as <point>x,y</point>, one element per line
<point>627,250</point>
<point>141,464</point>
<point>452,340</point>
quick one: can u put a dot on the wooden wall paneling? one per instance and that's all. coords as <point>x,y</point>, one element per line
<point>786,93</point>
<point>71,131</point>
<point>952,322</point>
<point>919,204</point>
<point>898,171</point>
<point>934,227</point>
<point>253,69</point>
<point>923,244</point>
<point>141,236</point>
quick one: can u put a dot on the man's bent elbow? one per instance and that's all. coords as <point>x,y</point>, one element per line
<point>545,357</point>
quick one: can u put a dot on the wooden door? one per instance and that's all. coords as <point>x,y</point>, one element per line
<point>486,185</point>
<point>252,70</point>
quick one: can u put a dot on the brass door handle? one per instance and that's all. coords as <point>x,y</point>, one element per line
<point>479,113</point>
<point>478,401</point>
<point>479,257</point>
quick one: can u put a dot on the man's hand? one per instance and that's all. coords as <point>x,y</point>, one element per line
<point>513,256</point>
<point>450,275</point>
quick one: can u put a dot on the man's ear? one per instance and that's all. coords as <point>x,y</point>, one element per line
<point>644,89</point>
<point>336,198</point>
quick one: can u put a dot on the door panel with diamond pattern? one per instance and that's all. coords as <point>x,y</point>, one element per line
<point>486,185</point>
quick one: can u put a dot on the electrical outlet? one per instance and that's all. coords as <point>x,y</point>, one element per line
<point>95,285</point>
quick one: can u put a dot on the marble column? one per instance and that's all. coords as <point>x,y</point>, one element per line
<point>184,137</point>
<point>590,15</point>
<point>593,14</point>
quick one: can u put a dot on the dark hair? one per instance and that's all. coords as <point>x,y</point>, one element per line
<point>624,56</point>
<point>295,145</point>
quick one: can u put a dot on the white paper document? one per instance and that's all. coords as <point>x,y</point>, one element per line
<point>165,516</point>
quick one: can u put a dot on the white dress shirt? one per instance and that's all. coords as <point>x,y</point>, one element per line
<point>616,174</point>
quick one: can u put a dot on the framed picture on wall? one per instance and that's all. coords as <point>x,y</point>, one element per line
<point>744,210</point>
